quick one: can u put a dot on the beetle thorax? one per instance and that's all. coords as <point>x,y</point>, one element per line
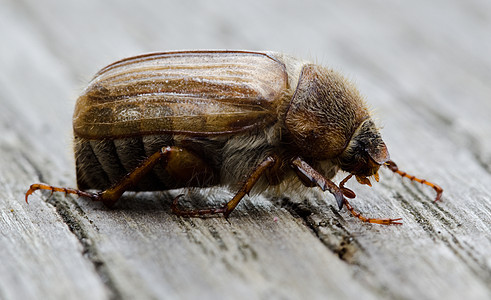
<point>324,113</point>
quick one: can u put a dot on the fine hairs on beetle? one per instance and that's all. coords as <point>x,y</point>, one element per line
<point>238,119</point>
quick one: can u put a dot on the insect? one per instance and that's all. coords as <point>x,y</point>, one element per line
<point>241,119</point>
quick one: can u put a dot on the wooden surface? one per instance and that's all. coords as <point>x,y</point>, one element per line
<point>423,66</point>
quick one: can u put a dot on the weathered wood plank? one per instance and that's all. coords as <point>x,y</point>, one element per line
<point>40,257</point>
<point>423,67</point>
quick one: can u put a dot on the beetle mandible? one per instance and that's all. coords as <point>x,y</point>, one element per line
<point>240,119</point>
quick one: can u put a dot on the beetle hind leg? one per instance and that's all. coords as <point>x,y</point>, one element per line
<point>41,186</point>
<point>112,194</point>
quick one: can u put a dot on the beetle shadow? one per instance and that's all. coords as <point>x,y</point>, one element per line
<point>159,204</point>
<point>143,201</point>
<point>161,201</point>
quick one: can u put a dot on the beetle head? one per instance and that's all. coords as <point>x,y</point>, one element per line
<point>327,119</point>
<point>365,153</point>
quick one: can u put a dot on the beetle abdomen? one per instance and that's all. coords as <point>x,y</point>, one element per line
<point>102,163</point>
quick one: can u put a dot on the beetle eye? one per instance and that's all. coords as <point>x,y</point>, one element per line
<point>378,153</point>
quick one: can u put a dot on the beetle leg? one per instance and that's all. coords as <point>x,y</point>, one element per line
<point>41,186</point>
<point>194,212</point>
<point>346,191</point>
<point>112,194</point>
<point>268,163</point>
<point>306,173</point>
<point>394,168</point>
<point>383,221</point>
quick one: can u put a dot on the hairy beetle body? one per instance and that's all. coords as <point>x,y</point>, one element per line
<point>205,118</point>
<point>218,105</point>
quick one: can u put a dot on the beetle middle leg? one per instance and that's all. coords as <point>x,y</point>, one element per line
<point>267,164</point>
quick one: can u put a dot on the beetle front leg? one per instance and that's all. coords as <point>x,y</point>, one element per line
<point>306,173</point>
<point>268,163</point>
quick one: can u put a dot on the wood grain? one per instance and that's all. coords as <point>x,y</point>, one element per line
<point>424,68</point>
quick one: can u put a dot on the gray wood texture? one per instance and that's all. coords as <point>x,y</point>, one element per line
<point>424,67</point>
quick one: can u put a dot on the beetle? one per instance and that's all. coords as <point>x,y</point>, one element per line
<point>241,119</point>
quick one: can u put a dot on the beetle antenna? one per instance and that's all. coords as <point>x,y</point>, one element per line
<point>42,186</point>
<point>394,168</point>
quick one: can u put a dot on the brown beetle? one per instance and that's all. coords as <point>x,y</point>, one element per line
<point>205,118</point>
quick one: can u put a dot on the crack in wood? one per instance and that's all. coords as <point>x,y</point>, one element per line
<point>338,239</point>
<point>344,244</point>
<point>65,207</point>
<point>466,256</point>
<point>459,134</point>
